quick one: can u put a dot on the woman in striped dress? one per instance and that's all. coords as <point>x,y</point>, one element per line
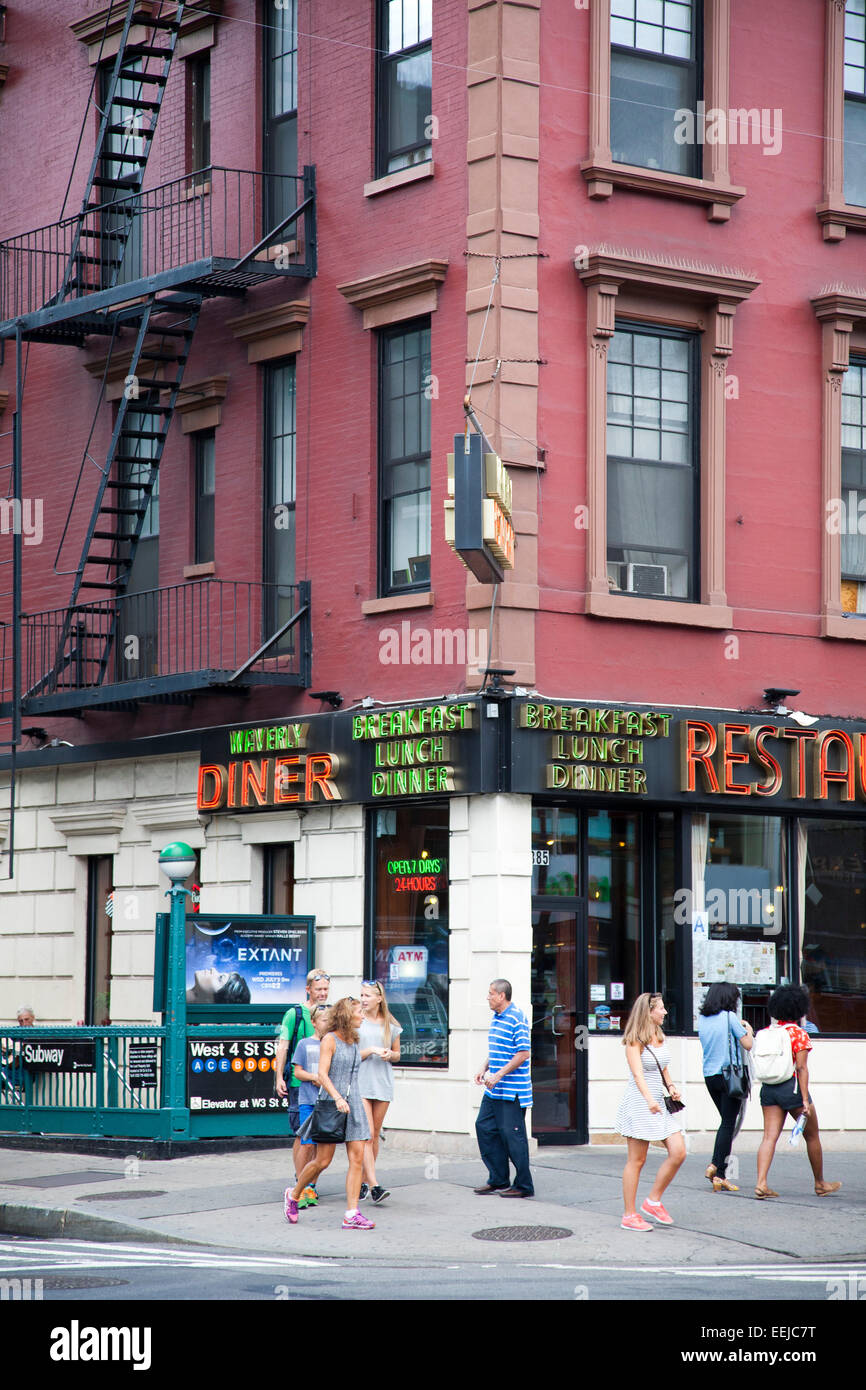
<point>643,1115</point>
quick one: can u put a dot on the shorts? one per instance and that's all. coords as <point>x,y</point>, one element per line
<point>306,1112</point>
<point>294,1109</point>
<point>785,1094</point>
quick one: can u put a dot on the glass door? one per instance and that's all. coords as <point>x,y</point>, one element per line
<point>559,1073</point>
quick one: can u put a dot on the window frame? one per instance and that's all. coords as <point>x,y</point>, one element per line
<point>384,60</point>
<point>269,598</point>
<point>200,440</point>
<point>694,435</point>
<point>199,128</point>
<point>696,63</point>
<point>661,293</point>
<point>386,587</point>
<point>602,175</point>
<point>837,217</point>
<point>270,124</point>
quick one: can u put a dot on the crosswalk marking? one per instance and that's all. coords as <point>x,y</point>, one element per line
<point>56,1255</point>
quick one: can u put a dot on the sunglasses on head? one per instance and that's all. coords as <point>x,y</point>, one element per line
<point>316,979</point>
<point>372,984</point>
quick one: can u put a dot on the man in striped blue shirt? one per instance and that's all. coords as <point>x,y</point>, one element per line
<point>501,1124</point>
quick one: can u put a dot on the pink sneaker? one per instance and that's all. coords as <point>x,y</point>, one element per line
<point>635,1223</point>
<point>657,1212</point>
<point>357,1223</point>
<point>290,1207</point>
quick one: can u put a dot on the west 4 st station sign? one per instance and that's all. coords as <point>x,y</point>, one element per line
<point>538,747</point>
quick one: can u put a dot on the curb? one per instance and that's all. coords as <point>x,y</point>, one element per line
<point>79,1225</point>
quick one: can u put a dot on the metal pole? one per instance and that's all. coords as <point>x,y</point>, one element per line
<point>174,1076</point>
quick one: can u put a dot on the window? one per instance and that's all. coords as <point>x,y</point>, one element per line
<point>654,73</point>
<point>120,248</point>
<point>198,76</point>
<point>100,908</point>
<point>279,546</point>
<point>652,477</point>
<point>408,939</point>
<point>853,546</point>
<point>281,111</point>
<point>279,879</point>
<point>404,442</point>
<point>204,447</point>
<point>833,959</point>
<point>405,84</point>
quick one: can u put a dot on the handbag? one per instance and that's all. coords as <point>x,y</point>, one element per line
<point>327,1123</point>
<point>672,1106</point>
<point>735,1073</point>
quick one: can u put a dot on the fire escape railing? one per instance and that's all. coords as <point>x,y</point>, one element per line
<point>212,221</point>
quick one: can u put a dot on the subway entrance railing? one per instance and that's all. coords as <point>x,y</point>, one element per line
<point>111,1082</point>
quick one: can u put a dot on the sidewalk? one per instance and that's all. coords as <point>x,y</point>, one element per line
<point>235,1201</point>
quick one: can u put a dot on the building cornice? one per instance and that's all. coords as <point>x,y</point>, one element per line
<point>272,333</point>
<point>395,295</point>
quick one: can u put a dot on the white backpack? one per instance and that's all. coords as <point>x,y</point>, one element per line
<point>772,1055</point>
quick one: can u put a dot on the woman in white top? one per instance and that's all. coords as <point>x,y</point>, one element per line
<point>643,1115</point>
<point>380,1047</point>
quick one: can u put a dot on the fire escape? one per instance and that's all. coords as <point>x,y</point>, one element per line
<point>133,269</point>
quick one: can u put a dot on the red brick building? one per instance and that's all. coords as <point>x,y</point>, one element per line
<point>632,231</point>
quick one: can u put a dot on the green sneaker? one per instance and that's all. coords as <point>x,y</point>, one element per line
<point>309,1198</point>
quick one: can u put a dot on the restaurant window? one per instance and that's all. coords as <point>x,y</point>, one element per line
<point>855,103</point>
<point>405,84</point>
<point>279,879</point>
<point>404,443</point>
<point>652,464</point>
<point>666,954</point>
<point>654,76</point>
<point>853,543</point>
<point>613,868</point>
<point>407,943</point>
<point>740,879</point>
<point>832,894</point>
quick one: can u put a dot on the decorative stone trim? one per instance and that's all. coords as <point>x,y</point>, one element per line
<point>834,214</point>
<point>90,829</point>
<point>199,404</point>
<point>119,365</point>
<point>394,602</point>
<point>202,571</point>
<point>396,295</point>
<point>197,29</point>
<point>4,401</point>
<point>687,294</point>
<point>841,311</point>
<point>269,829</point>
<point>172,820</point>
<point>602,175</point>
<point>272,333</point>
<point>413,174</point>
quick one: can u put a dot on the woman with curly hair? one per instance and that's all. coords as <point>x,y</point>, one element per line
<point>339,1065</point>
<point>788,1007</point>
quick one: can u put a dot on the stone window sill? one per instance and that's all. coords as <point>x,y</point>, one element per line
<point>849,629</point>
<point>394,602</point>
<point>202,571</point>
<point>652,610</point>
<point>838,218</point>
<point>602,178</point>
<point>413,174</point>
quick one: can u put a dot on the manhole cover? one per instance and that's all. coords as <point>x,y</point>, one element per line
<point>129,1195</point>
<point>523,1233</point>
<point>82,1281</point>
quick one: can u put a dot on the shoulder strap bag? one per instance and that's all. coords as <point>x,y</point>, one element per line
<point>735,1071</point>
<point>672,1106</point>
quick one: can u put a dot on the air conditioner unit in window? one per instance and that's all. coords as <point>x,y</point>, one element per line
<point>650,580</point>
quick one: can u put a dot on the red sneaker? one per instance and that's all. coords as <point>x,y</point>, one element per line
<point>635,1223</point>
<point>657,1212</point>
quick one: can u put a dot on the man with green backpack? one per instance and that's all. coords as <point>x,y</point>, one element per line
<point>296,1025</point>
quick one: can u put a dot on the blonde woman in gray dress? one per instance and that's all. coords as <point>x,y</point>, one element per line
<point>643,1115</point>
<point>379,1041</point>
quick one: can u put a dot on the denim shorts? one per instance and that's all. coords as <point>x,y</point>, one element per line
<point>294,1109</point>
<point>306,1112</point>
<point>785,1094</point>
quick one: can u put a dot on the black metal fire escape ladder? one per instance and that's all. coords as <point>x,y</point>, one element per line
<point>99,243</point>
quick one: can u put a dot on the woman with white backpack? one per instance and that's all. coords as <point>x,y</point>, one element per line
<point>779,1057</point>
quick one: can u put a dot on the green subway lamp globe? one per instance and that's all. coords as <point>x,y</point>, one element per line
<point>177,861</point>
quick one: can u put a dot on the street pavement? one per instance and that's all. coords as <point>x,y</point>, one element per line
<point>235,1201</point>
